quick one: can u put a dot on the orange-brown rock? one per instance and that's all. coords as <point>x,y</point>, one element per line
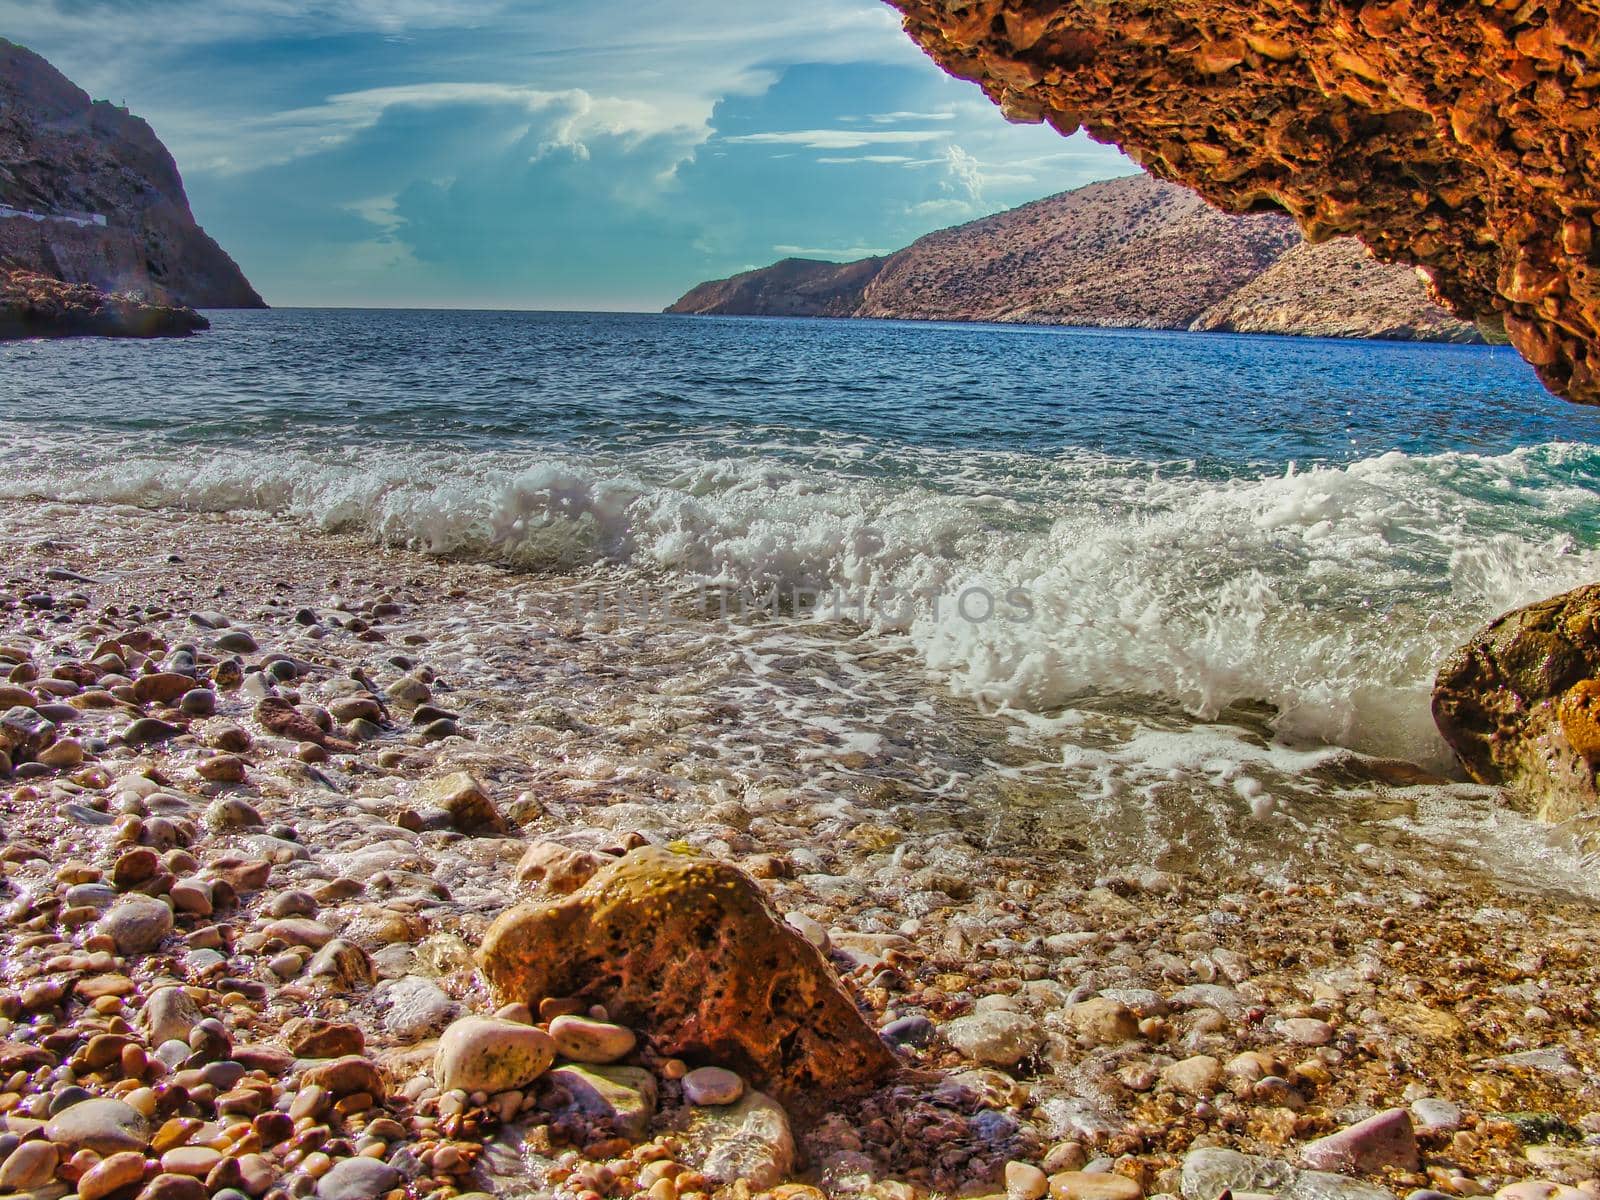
<point>1520,704</point>
<point>688,953</point>
<point>278,716</point>
<point>1460,137</point>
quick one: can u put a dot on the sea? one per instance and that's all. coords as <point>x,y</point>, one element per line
<point>1151,555</point>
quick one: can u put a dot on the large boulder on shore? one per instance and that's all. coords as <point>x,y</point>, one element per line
<point>689,953</point>
<point>1520,704</point>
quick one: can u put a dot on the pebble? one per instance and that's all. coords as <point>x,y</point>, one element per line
<point>111,1175</point>
<point>415,1007</point>
<point>491,1055</point>
<point>1025,1182</point>
<point>358,1179</point>
<point>146,730</point>
<point>221,768</point>
<point>1200,1075</point>
<point>1306,1031</point>
<point>996,1038</point>
<point>345,1076</point>
<point>1101,1021</point>
<point>31,1165</point>
<point>712,1085</point>
<point>136,924</point>
<point>910,1031</point>
<point>1385,1140</point>
<point>580,1039</point>
<point>170,1014</point>
<point>103,1125</point>
<point>1432,1115</point>
<point>1093,1185</point>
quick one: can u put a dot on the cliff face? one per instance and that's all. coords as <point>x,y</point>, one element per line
<point>1461,137</point>
<point>1128,253</point>
<point>60,152</point>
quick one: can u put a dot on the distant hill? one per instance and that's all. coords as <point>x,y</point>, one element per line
<point>115,214</point>
<point>1129,253</point>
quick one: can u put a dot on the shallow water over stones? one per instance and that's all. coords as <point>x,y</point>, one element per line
<point>1112,896</point>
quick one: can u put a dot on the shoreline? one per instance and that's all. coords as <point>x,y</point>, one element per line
<point>1344,961</point>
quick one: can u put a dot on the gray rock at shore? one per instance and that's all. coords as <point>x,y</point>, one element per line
<point>1208,1173</point>
<point>137,925</point>
<point>996,1039</point>
<point>750,1140</point>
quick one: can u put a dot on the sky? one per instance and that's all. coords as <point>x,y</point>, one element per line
<point>549,154</point>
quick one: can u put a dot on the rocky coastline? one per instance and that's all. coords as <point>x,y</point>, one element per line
<point>1129,253</point>
<point>314,887</point>
<point>35,306</point>
<point>63,153</point>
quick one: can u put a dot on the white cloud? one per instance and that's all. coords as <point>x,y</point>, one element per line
<point>832,253</point>
<point>381,211</point>
<point>895,118</point>
<point>965,174</point>
<point>866,158</point>
<point>577,115</point>
<point>837,139</point>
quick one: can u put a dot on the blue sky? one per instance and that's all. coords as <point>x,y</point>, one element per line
<point>588,154</point>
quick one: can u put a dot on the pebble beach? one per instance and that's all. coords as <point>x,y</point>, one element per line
<point>269,788</point>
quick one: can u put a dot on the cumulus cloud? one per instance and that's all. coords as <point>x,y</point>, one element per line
<point>965,173</point>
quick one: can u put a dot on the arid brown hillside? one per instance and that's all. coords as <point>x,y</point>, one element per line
<point>60,152</point>
<point>1335,289</point>
<point>1130,253</point>
<point>1126,252</point>
<point>795,287</point>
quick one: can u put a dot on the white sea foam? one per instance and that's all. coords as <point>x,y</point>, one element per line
<point>1330,593</point>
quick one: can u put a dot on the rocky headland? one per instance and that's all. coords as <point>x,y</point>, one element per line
<point>344,872</point>
<point>33,306</point>
<point>89,195</point>
<point>1126,253</point>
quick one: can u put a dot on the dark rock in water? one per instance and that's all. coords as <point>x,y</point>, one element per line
<point>34,306</point>
<point>198,702</point>
<point>689,953</point>
<point>1520,704</point>
<point>236,641</point>
<point>909,1031</point>
<point>150,729</point>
